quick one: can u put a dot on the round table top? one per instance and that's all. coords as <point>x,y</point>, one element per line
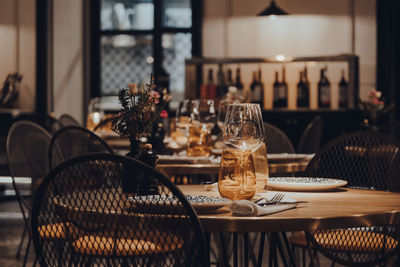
<point>343,207</point>
<point>213,168</point>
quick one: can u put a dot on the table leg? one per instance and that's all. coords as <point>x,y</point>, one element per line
<point>235,249</point>
<point>261,249</point>
<point>246,249</point>
<point>289,249</point>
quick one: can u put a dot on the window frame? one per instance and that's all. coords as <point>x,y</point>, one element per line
<point>96,33</point>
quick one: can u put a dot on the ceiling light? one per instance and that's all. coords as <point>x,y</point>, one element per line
<point>272,9</point>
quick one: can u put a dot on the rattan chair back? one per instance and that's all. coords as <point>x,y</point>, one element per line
<point>27,146</point>
<point>367,160</point>
<point>67,120</point>
<point>73,141</point>
<point>104,225</point>
<point>276,140</point>
<point>310,140</point>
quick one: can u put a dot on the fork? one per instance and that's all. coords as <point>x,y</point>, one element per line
<point>275,199</point>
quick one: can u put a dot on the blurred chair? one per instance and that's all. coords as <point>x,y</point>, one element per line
<point>276,140</point>
<point>367,160</point>
<point>27,146</point>
<point>311,138</point>
<point>104,124</point>
<point>67,120</point>
<point>104,226</point>
<point>391,128</point>
<point>73,141</point>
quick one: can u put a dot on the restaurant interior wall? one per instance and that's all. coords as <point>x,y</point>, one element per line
<point>313,28</point>
<point>18,47</point>
<point>68,58</point>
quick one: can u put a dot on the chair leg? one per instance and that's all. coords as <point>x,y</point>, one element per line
<point>27,251</point>
<point>21,242</point>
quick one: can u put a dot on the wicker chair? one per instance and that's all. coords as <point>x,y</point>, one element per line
<point>367,160</point>
<point>311,138</point>
<point>72,141</point>
<point>276,140</point>
<point>67,120</point>
<point>391,128</point>
<point>102,225</point>
<point>27,145</point>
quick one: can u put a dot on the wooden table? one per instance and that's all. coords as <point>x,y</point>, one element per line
<point>336,209</point>
<point>285,167</point>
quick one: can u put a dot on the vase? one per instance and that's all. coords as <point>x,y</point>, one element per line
<point>136,180</point>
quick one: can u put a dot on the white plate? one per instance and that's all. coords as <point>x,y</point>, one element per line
<point>202,204</point>
<point>304,183</point>
<point>286,157</point>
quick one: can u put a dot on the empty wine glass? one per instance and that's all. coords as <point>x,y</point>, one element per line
<point>243,135</point>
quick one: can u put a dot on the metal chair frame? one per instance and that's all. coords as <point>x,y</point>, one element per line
<point>311,138</point>
<point>89,135</point>
<point>375,180</point>
<point>24,205</point>
<point>276,140</point>
<point>44,196</point>
<point>67,120</point>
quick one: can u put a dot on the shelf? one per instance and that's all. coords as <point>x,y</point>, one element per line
<point>337,58</point>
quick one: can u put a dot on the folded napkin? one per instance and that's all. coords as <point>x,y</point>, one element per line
<point>249,208</point>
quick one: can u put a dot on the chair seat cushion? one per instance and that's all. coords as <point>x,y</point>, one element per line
<point>59,231</point>
<point>355,240</point>
<point>127,245</point>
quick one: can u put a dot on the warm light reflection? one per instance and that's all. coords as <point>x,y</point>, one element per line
<point>280,57</point>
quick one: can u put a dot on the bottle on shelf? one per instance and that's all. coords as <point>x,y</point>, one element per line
<point>239,86</point>
<point>343,89</point>
<point>303,91</point>
<point>257,89</point>
<point>280,90</point>
<point>261,85</point>
<point>230,81</point>
<point>205,87</point>
<point>324,90</point>
<point>221,85</point>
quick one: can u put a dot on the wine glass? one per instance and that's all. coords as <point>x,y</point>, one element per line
<point>243,135</point>
<point>183,120</point>
<point>203,120</point>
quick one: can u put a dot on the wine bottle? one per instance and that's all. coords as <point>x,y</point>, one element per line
<point>324,90</point>
<point>303,91</point>
<point>204,86</point>
<point>239,85</point>
<point>276,87</point>
<point>280,90</point>
<point>221,85</point>
<point>256,91</point>
<point>343,88</point>
<point>230,81</point>
<point>261,86</point>
<point>211,88</point>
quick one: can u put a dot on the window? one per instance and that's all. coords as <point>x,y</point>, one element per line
<point>138,37</point>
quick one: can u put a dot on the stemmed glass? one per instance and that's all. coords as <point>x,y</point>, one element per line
<point>203,120</point>
<point>183,120</point>
<point>243,135</point>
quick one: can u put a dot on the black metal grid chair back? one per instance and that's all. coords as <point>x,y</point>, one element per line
<point>311,138</point>
<point>84,200</point>
<point>72,141</point>
<point>367,160</point>
<point>27,146</point>
<point>391,128</point>
<point>68,120</point>
<point>276,140</point>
